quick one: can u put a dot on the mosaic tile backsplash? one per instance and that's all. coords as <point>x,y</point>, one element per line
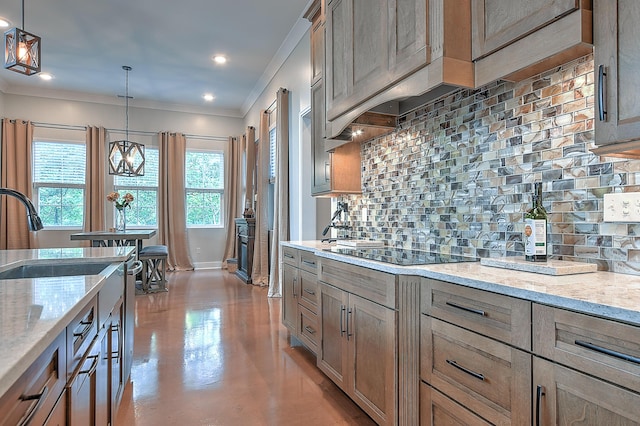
<point>457,175</point>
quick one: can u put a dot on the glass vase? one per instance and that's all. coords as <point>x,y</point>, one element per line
<point>121,220</point>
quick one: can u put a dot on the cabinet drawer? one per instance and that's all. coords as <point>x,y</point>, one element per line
<point>603,348</point>
<point>80,332</point>
<point>290,256</point>
<point>308,291</point>
<point>488,377</point>
<point>379,287</point>
<point>501,317</point>
<point>42,383</point>
<point>436,410</point>
<point>309,329</point>
<point>308,262</point>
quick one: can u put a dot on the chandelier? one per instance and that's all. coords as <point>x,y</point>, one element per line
<point>126,158</point>
<point>22,50</point>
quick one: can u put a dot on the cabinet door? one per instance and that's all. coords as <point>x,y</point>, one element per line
<point>102,397</point>
<point>317,49</point>
<point>290,297</point>
<point>437,410</point>
<point>332,359</point>
<point>617,54</point>
<point>321,160</point>
<point>498,23</point>
<point>408,41</point>
<point>566,397</point>
<point>357,52</point>
<point>116,356</point>
<point>371,333</point>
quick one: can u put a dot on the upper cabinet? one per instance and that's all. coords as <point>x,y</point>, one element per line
<point>386,50</point>
<point>617,57</point>
<point>515,39</point>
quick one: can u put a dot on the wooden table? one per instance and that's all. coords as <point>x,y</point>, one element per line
<point>116,238</point>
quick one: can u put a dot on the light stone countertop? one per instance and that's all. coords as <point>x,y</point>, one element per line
<point>35,311</point>
<point>605,294</point>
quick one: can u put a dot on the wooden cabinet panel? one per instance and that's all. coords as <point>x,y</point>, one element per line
<point>290,293</point>
<point>332,358</point>
<point>438,410</point>
<point>596,346</point>
<point>498,23</point>
<point>290,256</point>
<point>488,377</point>
<point>321,159</point>
<point>371,330</point>
<point>309,328</point>
<point>58,416</point>
<point>408,36</point>
<point>379,287</point>
<point>308,262</point>
<point>308,296</point>
<point>500,317</point>
<point>567,397</point>
<point>317,48</point>
<point>617,55</point>
<point>337,61</point>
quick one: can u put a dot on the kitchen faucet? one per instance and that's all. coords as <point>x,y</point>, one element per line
<point>35,224</point>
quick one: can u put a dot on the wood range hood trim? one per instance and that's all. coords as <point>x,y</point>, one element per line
<point>438,78</point>
<point>629,149</point>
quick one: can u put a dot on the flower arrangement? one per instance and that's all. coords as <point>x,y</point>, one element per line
<point>119,203</point>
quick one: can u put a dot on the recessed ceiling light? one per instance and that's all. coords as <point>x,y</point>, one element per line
<point>208,97</point>
<point>4,23</point>
<point>220,59</point>
<point>45,76</point>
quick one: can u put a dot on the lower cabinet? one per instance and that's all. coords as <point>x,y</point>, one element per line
<point>437,409</point>
<point>358,350</point>
<point>567,397</point>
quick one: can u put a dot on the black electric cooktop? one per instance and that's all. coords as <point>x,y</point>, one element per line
<point>404,257</point>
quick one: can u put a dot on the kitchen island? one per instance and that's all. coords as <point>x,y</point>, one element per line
<point>473,344</point>
<point>36,312</point>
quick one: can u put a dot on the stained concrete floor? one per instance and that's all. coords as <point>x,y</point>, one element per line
<point>213,351</point>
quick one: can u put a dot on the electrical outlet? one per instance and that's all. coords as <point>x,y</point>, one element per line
<point>622,207</point>
<point>364,214</point>
<point>197,250</point>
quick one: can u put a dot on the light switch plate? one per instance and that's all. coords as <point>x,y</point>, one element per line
<point>622,207</point>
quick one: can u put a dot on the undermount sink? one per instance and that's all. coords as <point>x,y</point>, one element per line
<point>53,270</point>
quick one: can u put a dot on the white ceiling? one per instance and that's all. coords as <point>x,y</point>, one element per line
<point>168,43</point>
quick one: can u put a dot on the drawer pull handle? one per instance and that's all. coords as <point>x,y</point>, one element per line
<point>539,394</point>
<point>609,352</point>
<point>311,292</point>
<point>94,365</point>
<point>349,312</point>
<point>466,370</point>
<point>290,256</point>
<point>85,330</point>
<point>308,263</point>
<point>602,108</point>
<point>464,308</point>
<point>342,309</point>
<point>40,397</point>
<point>310,330</point>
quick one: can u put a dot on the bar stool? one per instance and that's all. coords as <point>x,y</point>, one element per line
<point>154,268</point>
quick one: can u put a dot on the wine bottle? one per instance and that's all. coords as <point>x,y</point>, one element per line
<point>535,229</point>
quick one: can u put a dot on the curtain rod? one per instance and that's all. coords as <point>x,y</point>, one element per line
<point>272,106</point>
<point>135,132</point>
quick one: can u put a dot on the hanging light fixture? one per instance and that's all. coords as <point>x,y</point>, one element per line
<point>22,50</point>
<point>126,158</point>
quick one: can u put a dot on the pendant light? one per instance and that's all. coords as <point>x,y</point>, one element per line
<point>126,158</point>
<point>22,50</point>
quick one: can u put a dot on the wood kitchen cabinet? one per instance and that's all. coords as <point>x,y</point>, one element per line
<point>358,336</point>
<point>617,82</point>
<point>371,45</point>
<point>300,296</point>
<point>516,39</point>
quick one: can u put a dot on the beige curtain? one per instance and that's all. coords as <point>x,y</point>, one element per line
<point>250,147</point>
<point>260,273</point>
<point>172,225</point>
<point>94,210</point>
<point>232,191</point>
<point>17,136</point>
<point>281,193</point>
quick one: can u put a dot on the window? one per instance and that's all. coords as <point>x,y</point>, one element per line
<point>144,209</point>
<point>204,176</point>
<point>59,182</point>
<point>273,115</point>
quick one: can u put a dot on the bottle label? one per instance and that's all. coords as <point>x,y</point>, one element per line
<point>535,232</point>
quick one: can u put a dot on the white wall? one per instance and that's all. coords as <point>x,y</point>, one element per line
<point>295,76</point>
<point>206,244</point>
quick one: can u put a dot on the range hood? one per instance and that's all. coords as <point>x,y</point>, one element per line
<point>369,125</point>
